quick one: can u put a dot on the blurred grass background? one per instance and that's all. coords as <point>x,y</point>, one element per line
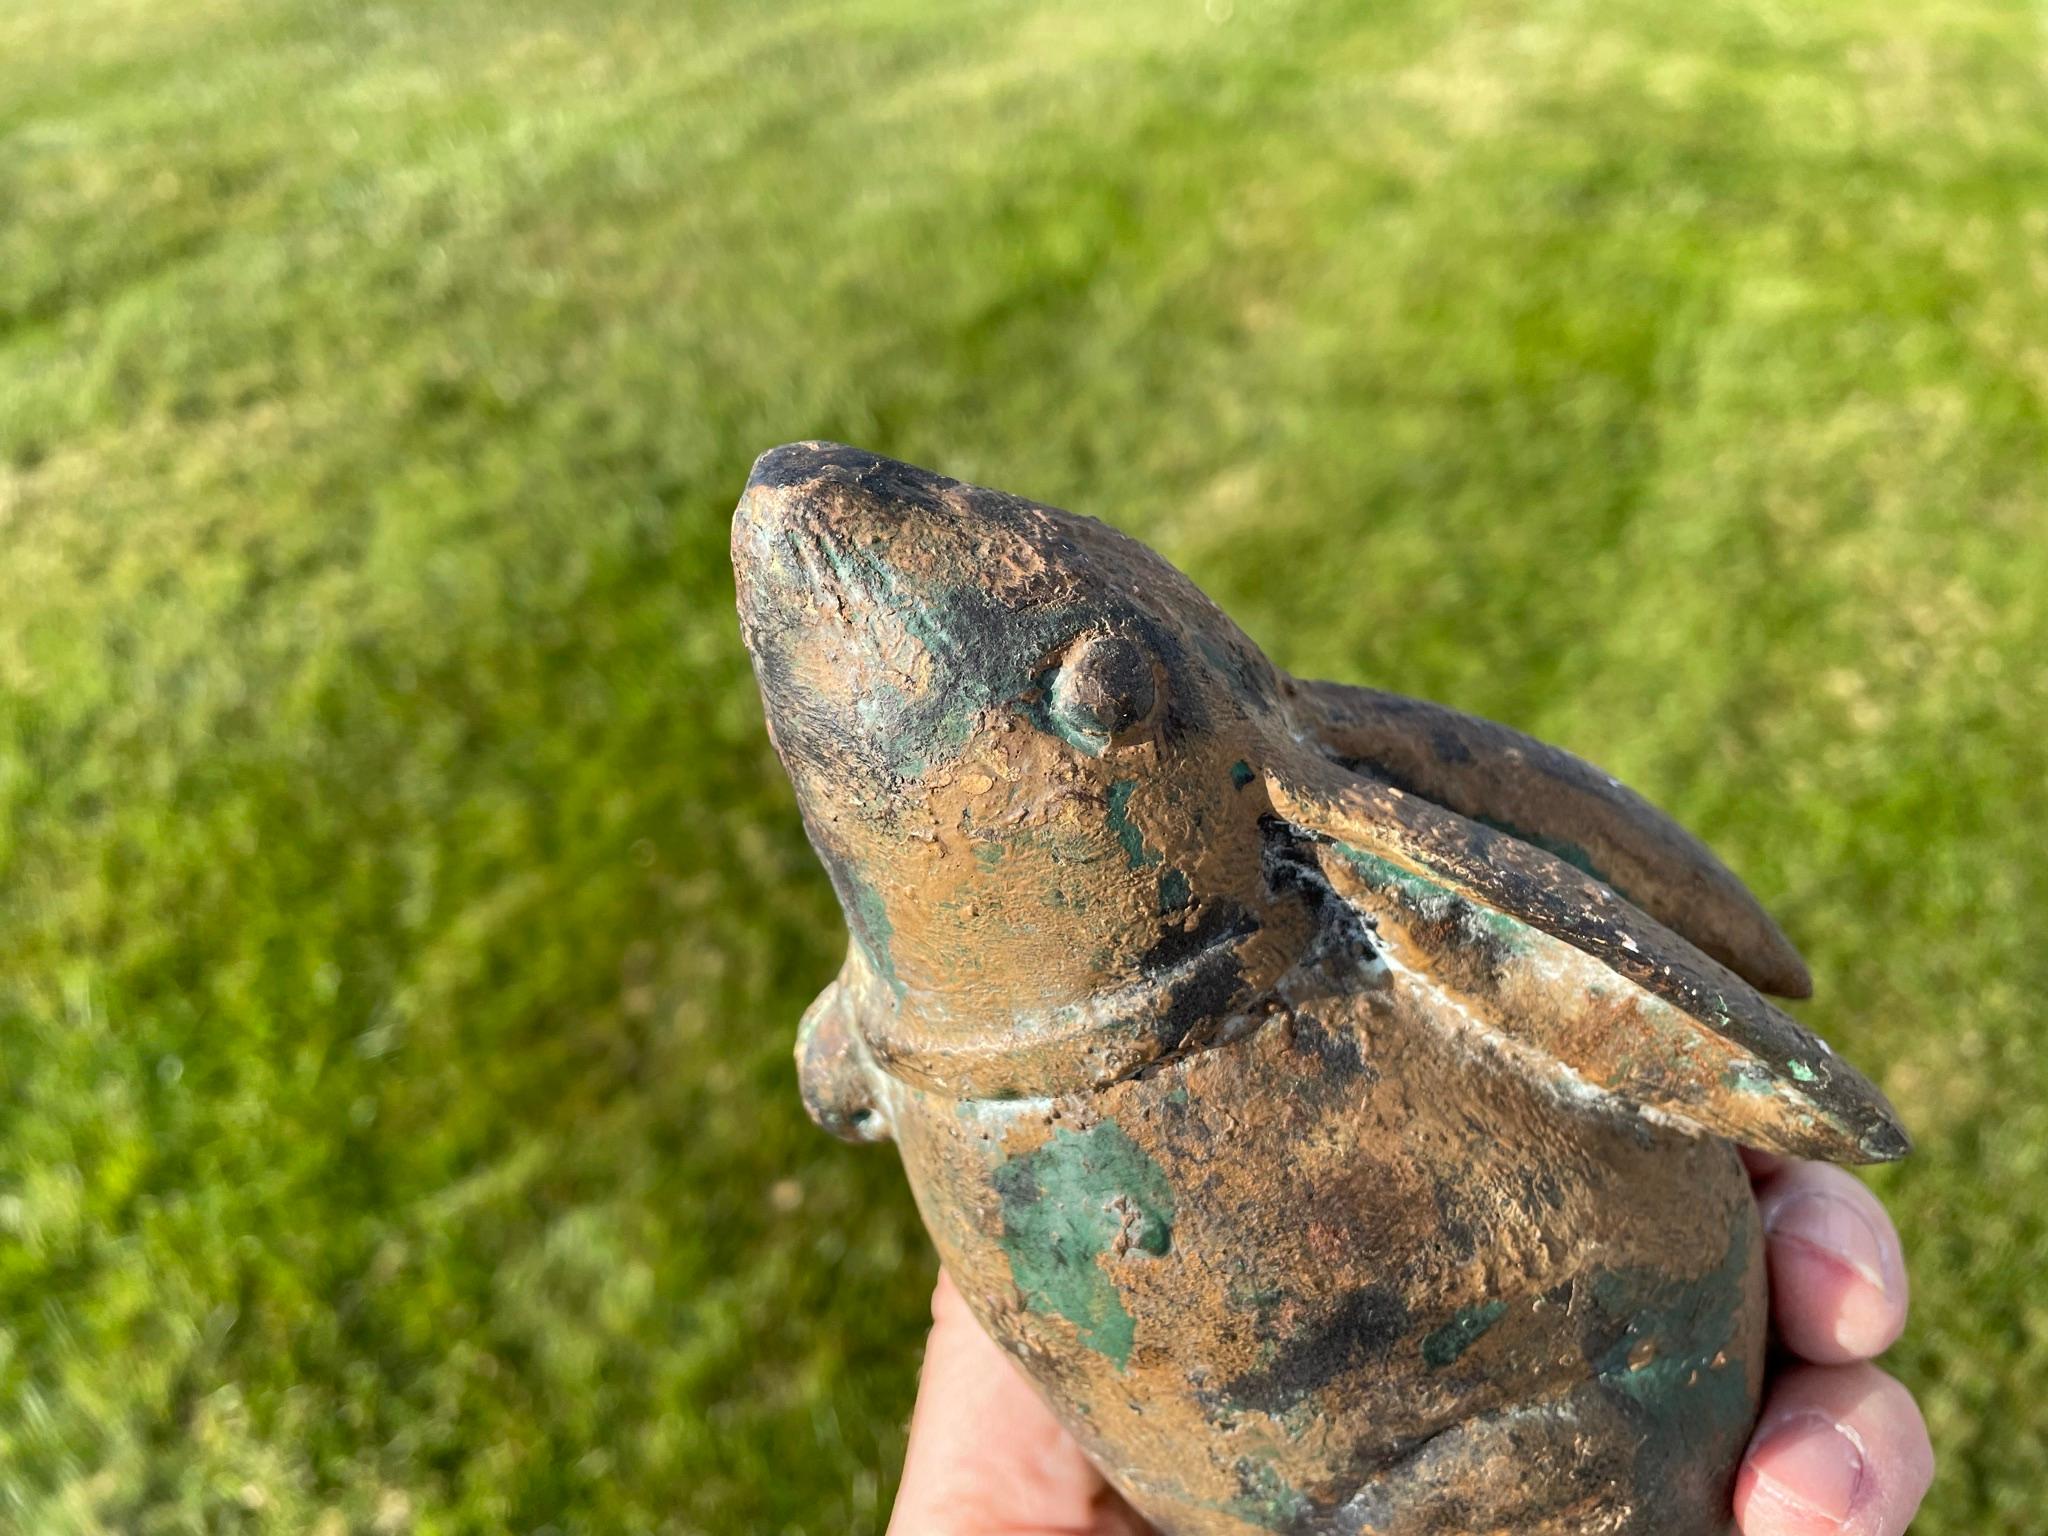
<point>403,923</point>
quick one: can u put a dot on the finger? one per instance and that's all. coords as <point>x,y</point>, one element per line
<point>986,1455</point>
<point>1841,1450</point>
<point>1838,1282</point>
<point>1761,1164</point>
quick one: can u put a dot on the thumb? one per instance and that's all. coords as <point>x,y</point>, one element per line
<point>986,1457</point>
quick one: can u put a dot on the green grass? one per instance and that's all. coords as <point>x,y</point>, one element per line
<point>402,921</point>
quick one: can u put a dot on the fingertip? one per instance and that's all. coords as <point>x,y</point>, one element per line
<point>1762,1165</point>
<point>1838,1278</point>
<point>1840,1449</point>
<point>1804,1476</point>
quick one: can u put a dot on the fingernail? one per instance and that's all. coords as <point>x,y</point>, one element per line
<point>1810,1464</point>
<point>1835,1227</point>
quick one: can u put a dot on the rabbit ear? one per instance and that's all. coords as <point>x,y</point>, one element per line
<point>1545,959</point>
<point>1563,804</point>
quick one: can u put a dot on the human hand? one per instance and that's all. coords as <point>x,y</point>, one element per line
<point>1840,1449</point>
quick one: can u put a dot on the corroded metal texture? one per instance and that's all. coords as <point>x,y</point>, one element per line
<point>1321,1094</point>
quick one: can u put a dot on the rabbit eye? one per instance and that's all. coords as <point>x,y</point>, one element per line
<point>1103,687</point>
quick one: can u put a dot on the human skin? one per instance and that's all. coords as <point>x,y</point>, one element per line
<point>1839,1450</point>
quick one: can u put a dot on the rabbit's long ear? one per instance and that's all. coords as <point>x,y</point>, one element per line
<point>1563,804</point>
<point>1551,965</point>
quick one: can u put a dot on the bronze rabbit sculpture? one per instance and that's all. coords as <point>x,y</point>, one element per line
<point>1326,1097</point>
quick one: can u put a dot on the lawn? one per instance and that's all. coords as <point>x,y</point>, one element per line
<point>403,922</point>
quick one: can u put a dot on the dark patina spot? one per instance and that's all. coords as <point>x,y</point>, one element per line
<point>1451,1218</point>
<point>1337,1049</point>
<point>1216,922</point>
<point>1444,1345</point>
<point>1364,1327</point>
<point>1197,1002</point>
<point>1103,686</point>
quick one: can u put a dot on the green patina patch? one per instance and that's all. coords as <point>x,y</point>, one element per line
<point>1039,711</point>
<point>1126,830</point>
<point>1464,1330</point>
<point>956,726</point>
<point>1266,1499</point>
<point>923,616</point>
<point>1802,1071</point>
<point>1674,1360</point>
<point>1512,934</point>
<point>922,613</point>
<point>1749,1078</point>
<point>1173,890</point>
<point>1082,1195</point>
<point>1556,847</point>
<point>867,919</point>
<point>1388,875</point>
<point>1240,773</point>
<point>1430,898</point>
<point>1674,1329</point>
